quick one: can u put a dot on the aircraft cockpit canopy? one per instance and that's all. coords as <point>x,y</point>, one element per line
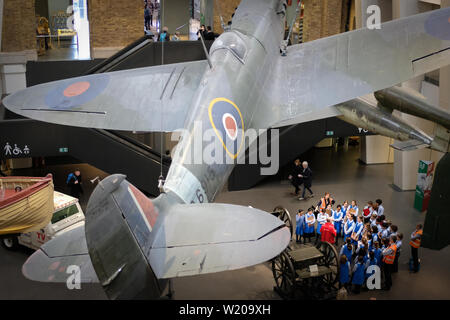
<point>233,42</point>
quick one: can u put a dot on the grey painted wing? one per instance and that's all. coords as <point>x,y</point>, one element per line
<point>206,238</point>
<point>145,99</point>
<point>317,75</point>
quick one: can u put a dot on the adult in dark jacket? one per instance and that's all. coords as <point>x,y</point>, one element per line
<point>75,184</point>
<point>295,176</point>
<point>209,34</point>
<point>306,176</point>
<point>201,32</point>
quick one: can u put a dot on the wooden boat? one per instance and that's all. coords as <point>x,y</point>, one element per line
<point>26,204</point>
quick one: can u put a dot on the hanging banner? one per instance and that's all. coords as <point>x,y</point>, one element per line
<point>424,183</point>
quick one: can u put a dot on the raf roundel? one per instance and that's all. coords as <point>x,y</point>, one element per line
<point>228,124</point>
<point>438,24</point>
<point>76,89</point>
<point>75,93</point>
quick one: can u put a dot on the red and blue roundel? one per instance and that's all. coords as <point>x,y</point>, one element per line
<point>74,93</point>
<point>228,124</point>
<point>438,24</point>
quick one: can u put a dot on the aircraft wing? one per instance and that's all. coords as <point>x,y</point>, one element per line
<point>207,238</point>
<point>53,261</point>
<point>146,99</point>
<point>317,75</point>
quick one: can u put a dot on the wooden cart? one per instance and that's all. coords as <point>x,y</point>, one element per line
<point>310,272</point>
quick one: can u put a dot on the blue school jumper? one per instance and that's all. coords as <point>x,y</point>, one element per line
<point>338,224</point>
<point>369,263</point>
<point>378,255</point>
<point>350,226</point>
<point>309,229</point>
<point>347,252</point>
<point>375,237</point>
<point>344,273</point>
<point>358,275</point>
<point>321,219</point>
<point>358,229</point>
<point>356,209</point>
<point>300,225</point>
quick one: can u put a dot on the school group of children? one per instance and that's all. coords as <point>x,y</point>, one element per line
<point>369,239</point>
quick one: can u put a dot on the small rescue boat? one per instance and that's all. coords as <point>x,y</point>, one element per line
<point>26,203</point>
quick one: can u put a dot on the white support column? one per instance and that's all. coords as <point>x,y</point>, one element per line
<point>12,72</point>
<point>374,149</point>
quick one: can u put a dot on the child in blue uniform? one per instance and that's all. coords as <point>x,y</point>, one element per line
<point>349,226</point>
<point>321,220</point>
<point>358,275</point>
<point>338,217</point>
<point>356,236</point>
<point>354,206</point>
<point>300,225</point>
<point>377,252</point>
<point>370,242</point>
<point>347,250</point>
<point>375,236</point>
<point>344,272</point>
<point>397,253</point>
<point>371,261</point>
<point>310,220</point>
<point>345,207</point>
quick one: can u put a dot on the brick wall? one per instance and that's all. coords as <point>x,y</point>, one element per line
<point>226,8</point>
<point>323,18</point>
<point>115,23</point>
<point>19,26</point>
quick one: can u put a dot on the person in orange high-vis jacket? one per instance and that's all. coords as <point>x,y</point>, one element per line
<point>388,262</point>
<point>325,202</point>
<point>416,237</point>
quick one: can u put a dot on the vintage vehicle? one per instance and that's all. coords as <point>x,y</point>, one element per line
<point>67,216</point>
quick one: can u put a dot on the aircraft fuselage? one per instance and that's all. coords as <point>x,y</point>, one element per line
<point>226,101</point>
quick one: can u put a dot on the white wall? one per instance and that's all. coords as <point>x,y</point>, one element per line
<point>376,150</point>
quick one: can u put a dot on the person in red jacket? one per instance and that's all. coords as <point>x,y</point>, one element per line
<point>328,232</point>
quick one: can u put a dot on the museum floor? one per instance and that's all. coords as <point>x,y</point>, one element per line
<point>337,172</point>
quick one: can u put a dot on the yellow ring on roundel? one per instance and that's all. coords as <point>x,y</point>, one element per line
<point>211,105</point>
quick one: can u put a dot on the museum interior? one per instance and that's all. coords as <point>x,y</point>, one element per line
<point>52,40</point>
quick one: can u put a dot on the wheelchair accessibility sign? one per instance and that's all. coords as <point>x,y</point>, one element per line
<point>15,150</point>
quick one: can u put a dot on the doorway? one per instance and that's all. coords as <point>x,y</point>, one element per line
<point>62,30</point>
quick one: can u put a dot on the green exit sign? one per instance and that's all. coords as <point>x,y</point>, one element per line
<point>63,150</point>
<point>330,133</point>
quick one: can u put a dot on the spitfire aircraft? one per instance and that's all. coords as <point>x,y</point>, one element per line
<point>132,245</point>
